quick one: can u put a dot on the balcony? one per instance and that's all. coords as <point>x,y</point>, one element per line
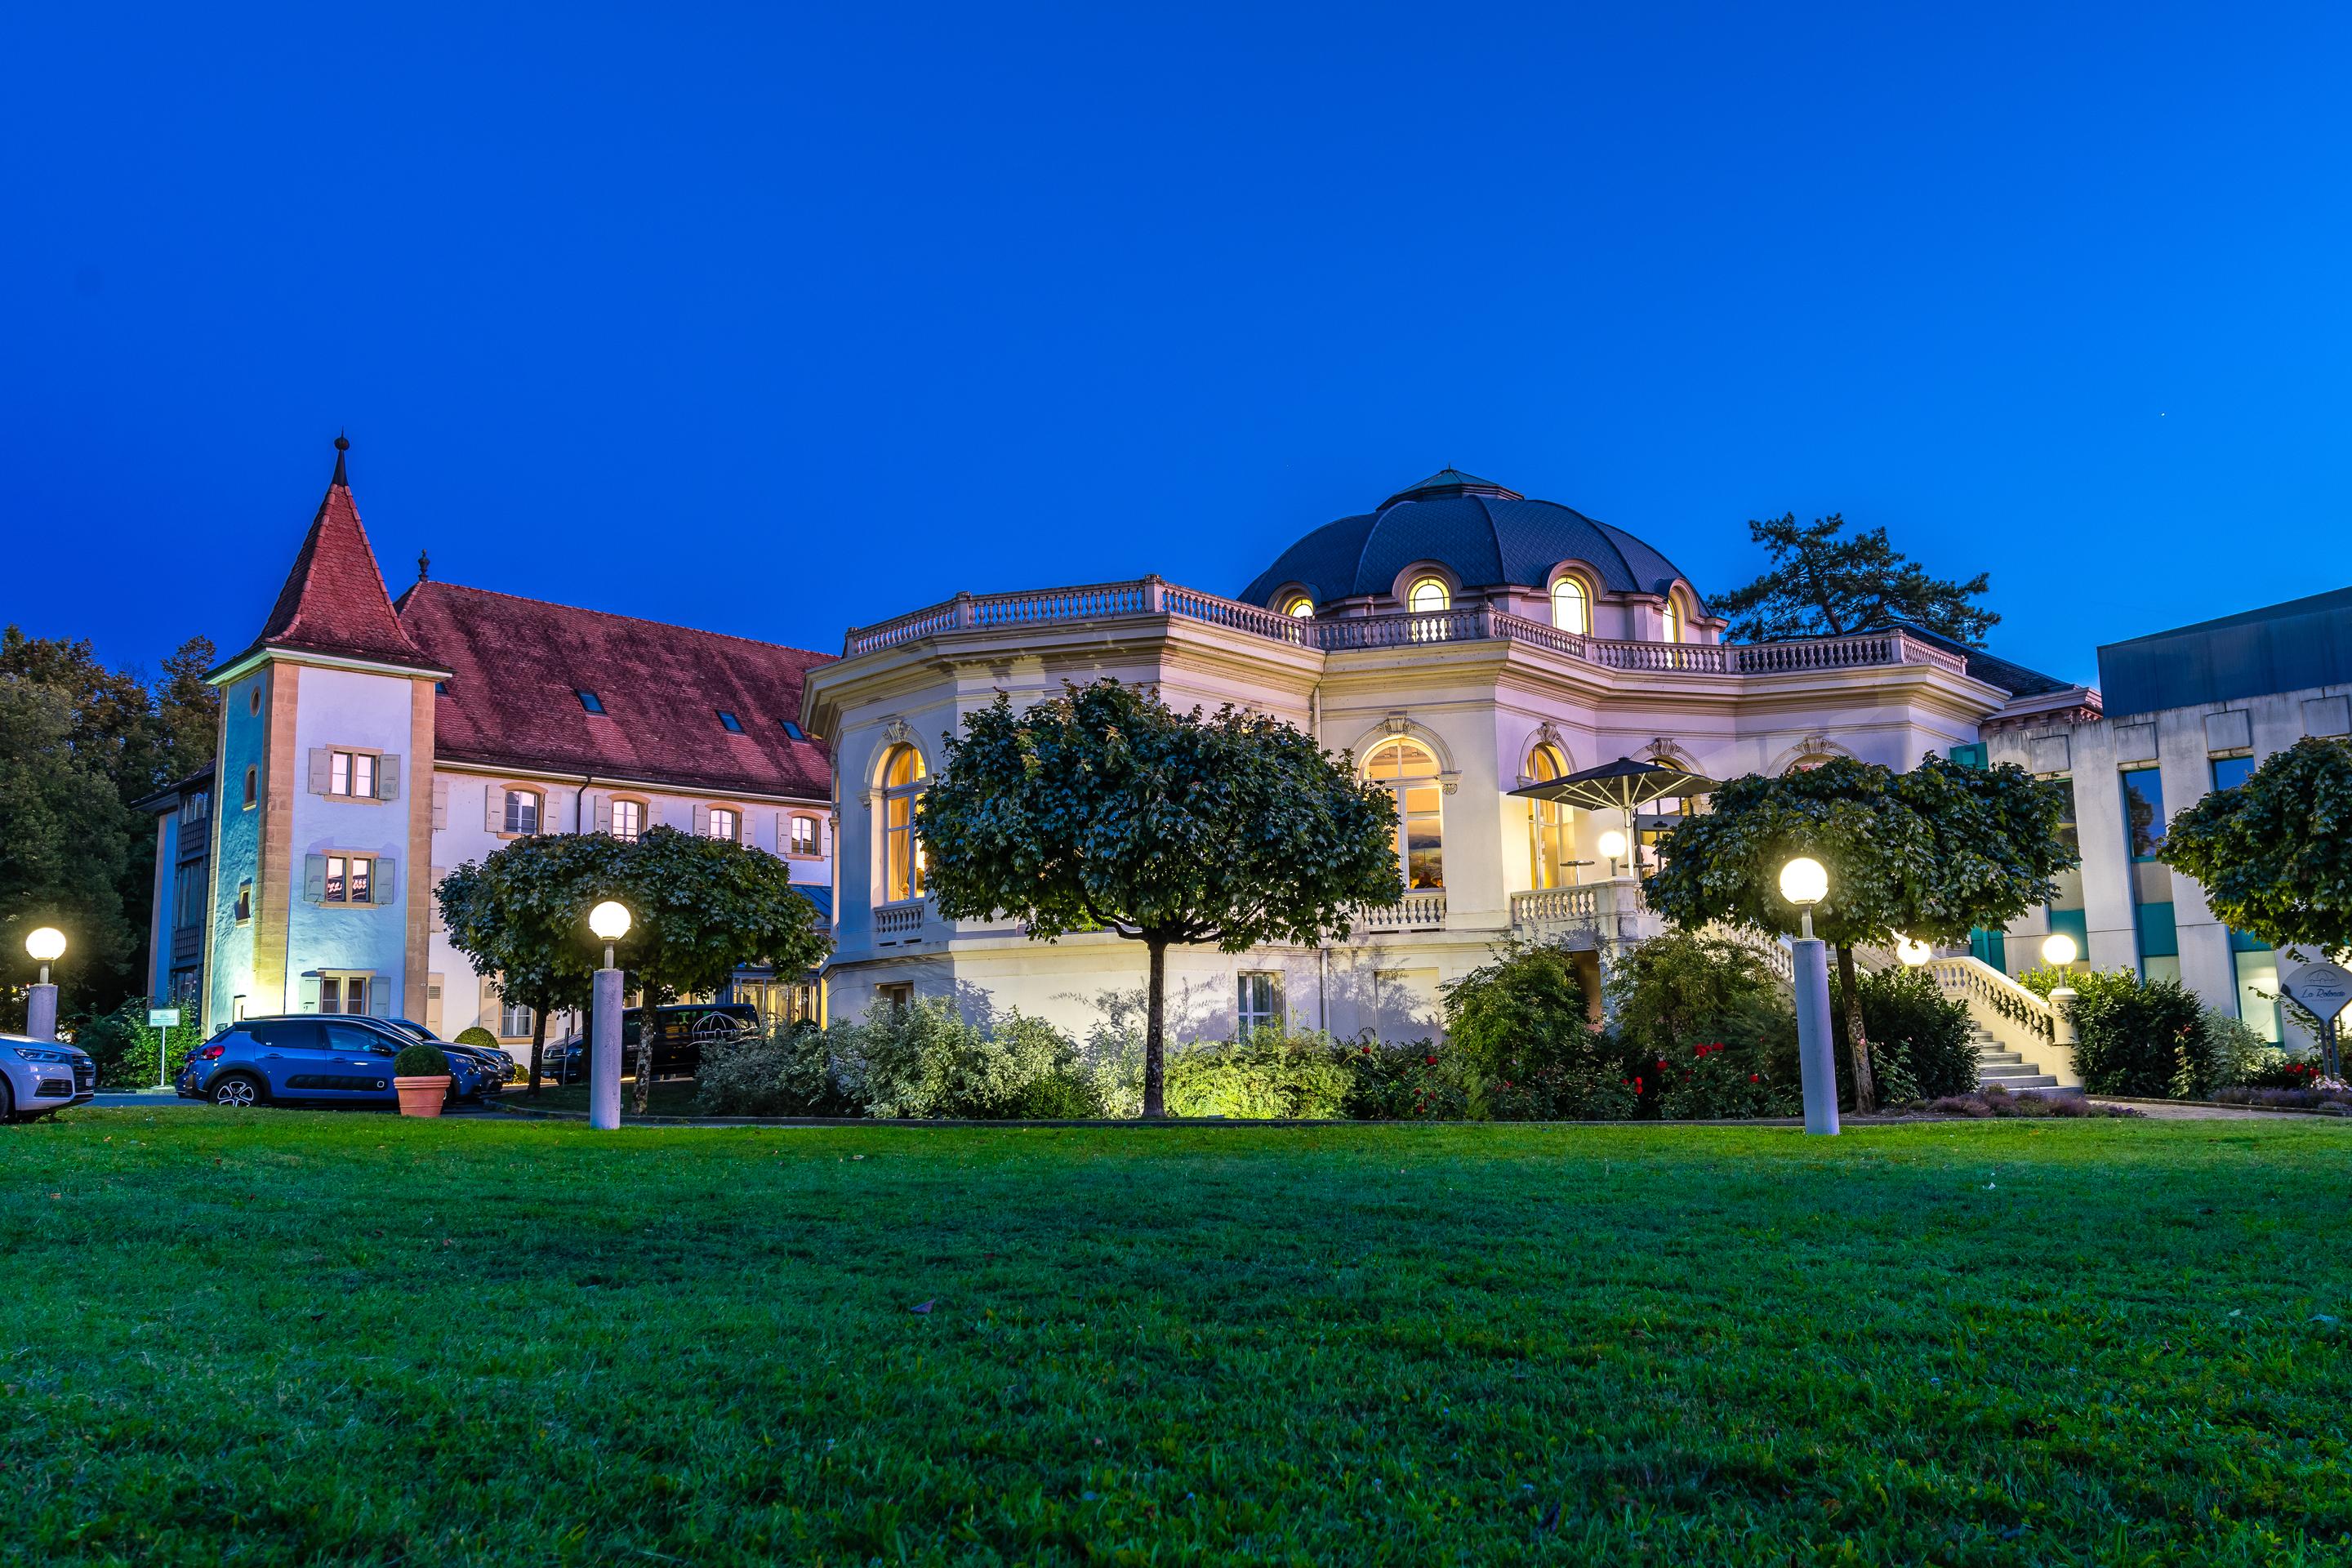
<point>1414,912</point>
<point>1604,911</point>
<point>1152,596</point>
<point>901,921</point>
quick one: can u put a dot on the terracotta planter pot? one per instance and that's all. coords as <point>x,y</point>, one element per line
<point>421,1096</point>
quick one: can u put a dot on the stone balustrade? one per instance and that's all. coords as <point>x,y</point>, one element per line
<point>1339,634</point>
<point>1424,911</point>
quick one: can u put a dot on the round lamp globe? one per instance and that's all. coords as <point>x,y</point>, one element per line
<point>1612,846</point>
<point>609,920</point>
<point>2059,951</point>
<point>1804,881</point>
<point>1913,953</point>
<point>46,944</point>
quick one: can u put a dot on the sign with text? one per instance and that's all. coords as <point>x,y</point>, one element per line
<point>162,1018</point>
<point>2324,988</point>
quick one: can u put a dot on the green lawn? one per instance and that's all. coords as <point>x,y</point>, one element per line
<point>277,1337</point>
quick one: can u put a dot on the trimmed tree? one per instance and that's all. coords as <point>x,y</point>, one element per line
<point>1104,809</point>
<point>705,908</point>
<point>523,915</point>
<point>2275,854</point>
<point>1825,583</point>
<point>1930,853</point>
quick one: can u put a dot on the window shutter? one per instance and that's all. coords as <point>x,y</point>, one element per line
<point>784,833</point>
<point>378,997</point>
<point>387,777</point>
<point>440,803</point>
<point>318,766</point>
<point>387,886</point>
<point>314,879</point>
<point>495,817</point>
<point>433,920</point>
<point>310,991</point>
<point>602,818</point>
<point>702,822</point>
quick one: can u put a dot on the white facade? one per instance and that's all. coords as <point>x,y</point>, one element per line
<point>1479,691</point>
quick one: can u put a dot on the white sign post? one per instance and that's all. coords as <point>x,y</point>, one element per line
<point>163,1018</point>
<point>2326,990</point>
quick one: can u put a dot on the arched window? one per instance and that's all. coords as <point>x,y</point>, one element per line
<point>1572,606</point>
<point>902,854</point>
<point>1428,595</point>
<point>1551,839</point>
<point>1672,631</point>
<point>1299,605</point>
<point>1407,771</point>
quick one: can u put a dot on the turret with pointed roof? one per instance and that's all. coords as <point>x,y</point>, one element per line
<point>334,601</point>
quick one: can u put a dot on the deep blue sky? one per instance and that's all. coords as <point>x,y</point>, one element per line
<point>778,320</point>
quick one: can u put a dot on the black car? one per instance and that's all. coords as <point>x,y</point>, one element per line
<point>681,1032</point>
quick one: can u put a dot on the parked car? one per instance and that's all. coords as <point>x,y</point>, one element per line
<point>38,1078</point>
<point>680,1031</point>
<point>497,1066</point>
<point>311,1058</point>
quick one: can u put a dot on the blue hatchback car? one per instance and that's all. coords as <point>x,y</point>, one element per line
<point>312,1059</point>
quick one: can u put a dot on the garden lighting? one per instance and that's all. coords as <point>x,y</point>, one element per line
<point>1913,953</point>
<point>1612,849</point>
<point>2059,949</point>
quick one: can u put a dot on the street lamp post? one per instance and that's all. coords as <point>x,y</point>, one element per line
<point>45,946</point>
<point>2058,952</point>
<point>611,923</point>
<point>1804,883</point>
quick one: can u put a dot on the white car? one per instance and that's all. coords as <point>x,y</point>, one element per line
<point>37,1076</point>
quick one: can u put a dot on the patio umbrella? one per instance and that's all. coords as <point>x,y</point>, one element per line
<point>1623,786</point>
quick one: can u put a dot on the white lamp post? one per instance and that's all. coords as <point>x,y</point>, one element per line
<point>2058,950</point>
<point>45,946</point>
<point>1612,849</point>
<point>1804,883</point>
<point>611,923</point>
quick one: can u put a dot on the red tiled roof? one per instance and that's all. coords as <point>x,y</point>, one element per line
<point>519,666</point>
<point>334,600</point>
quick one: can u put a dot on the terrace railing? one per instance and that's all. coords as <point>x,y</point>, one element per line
<point>1154,596</point>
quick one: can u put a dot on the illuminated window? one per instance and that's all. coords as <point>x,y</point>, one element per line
<point>1427,595</point>
<point>628,819</point>
<point>1551,843</point>
<point>353,774</point>
<point>1672,630</point>
<point>1571,607</point>
<point>1405,768</point>
<point>902,851</point>
<point>1302,606</point>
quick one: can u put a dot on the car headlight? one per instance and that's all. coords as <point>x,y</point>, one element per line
<point>40,1054</point>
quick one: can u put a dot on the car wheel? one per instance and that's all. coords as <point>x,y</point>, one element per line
<point>7,1103</point>
<point>237,1091</point>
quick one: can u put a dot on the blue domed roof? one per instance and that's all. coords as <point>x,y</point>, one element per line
<point>1487,536</point>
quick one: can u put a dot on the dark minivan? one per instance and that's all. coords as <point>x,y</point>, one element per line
<point>681,1032</point>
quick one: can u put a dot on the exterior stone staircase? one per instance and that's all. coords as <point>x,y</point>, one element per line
<point>2010,1070</point>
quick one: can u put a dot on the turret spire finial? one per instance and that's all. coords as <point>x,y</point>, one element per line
<point>343,444</point>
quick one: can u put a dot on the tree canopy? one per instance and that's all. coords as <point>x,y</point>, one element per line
<point>701,909</point>
<point>1826,582</point>
<point>2275,854</point>
<point>135,736</point>
<point>64,841</point>
<point>1931,853</point>
<point>1104,808</point>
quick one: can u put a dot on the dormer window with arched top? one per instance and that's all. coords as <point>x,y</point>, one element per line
<point>1300,606</point>
<point>1428,595</point>
<point>1572,605</point>
<point>1671,626</point>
